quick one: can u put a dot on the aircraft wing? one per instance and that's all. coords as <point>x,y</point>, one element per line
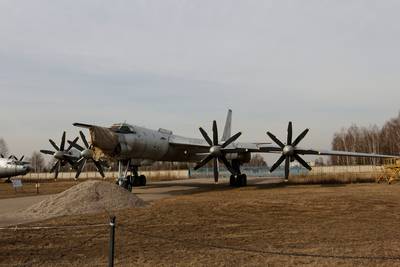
<point>202,145</point>
<point>343,153</point>
<point>276,149</point>
<point>180,141</point>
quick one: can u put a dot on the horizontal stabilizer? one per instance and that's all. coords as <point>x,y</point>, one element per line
<point>83,125</point>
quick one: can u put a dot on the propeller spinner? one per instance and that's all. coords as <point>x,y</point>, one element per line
<point>217,151</point>
<point>86,154</point>
<point>289,150</point>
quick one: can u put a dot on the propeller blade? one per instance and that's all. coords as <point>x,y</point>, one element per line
<point>80,167</point>
<point>57,170</point>
<point>206,137</point>
<point>73,142</point>
<point>75,145</point>
<point>216,170</point>
<point>300,137</point>
<point>2,156</point>
<point>62,145</point>
<point>231,140</point>
<point>276,140</point>
<point>287,168</point>
<point>22,158</point>
<point>84,139</point>
<point>227,164</point>
<point>54,167</point>
<point>276,165</point>
<point>99,168</point>
<point>215,133</point>
<point>203,162</point>
<point>302,162</point>
<point>15,158</point>
<point>54,145</point>
<point>290,134</point>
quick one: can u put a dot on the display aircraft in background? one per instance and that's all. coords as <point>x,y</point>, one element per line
<point>12,166</point>
<point>134,146</point>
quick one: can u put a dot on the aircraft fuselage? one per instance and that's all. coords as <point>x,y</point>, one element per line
<point>9,168</point>
<point>141,144</point>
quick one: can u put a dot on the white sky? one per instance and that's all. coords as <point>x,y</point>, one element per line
<point>180,64</point>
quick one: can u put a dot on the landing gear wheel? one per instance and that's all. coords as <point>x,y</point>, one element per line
<point>127,184</point>
<point>241,180</point>
<point>142,180</point>
<point>136,181</point>
<point>232,180</point>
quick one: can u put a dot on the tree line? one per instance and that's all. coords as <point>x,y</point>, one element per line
<point>372,139</point>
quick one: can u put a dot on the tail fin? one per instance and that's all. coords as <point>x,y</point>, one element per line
<point>228,126</point>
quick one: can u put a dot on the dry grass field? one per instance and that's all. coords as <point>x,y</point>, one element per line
<point>261,225</point>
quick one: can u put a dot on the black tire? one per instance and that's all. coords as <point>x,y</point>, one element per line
<point>232,180</point>
<point>136,181</point>
<point>244,180</point>
<point>142,180</point>
<point>239,180</point>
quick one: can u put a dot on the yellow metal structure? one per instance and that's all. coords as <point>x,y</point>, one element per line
<point>391,171</point>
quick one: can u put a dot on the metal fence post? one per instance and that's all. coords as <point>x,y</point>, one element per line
<point>112,241</point>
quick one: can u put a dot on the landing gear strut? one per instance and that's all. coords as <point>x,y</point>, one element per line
<point>133,179</point>
<point>237,179</point>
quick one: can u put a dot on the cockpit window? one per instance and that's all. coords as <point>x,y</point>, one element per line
<point>122,128</point>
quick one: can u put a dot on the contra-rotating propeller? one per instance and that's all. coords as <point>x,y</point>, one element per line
<point>86,154</point>
<point>61,155</point>
<point>289,150</point>
<point>217,151</point>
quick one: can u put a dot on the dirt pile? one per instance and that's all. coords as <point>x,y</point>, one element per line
<point>86,197</point>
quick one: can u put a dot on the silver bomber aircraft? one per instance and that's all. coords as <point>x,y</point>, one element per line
<point>10,167</point>
<point>134,146</point>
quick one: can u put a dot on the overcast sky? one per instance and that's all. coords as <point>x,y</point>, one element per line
<point>180,64</point>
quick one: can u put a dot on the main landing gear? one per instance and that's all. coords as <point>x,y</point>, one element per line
<point>133,179</point>
<point>237,179</point>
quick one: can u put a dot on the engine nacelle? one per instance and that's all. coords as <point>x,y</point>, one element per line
<point>242,157</point>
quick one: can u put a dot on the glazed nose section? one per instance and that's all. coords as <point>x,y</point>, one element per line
<point>104,138</point>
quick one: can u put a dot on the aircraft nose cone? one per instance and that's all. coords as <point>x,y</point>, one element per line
<point>288,151</point>
<point>28,168</point>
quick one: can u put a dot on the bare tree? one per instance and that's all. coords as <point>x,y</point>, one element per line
<point>37,162</point>
<point>368,140</point>
<point>257,161</point>
<point>3,147</point>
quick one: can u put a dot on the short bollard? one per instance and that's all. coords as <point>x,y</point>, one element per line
<point>112,240</point>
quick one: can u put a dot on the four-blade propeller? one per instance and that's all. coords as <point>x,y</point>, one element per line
<point>217,151</point>
<point>289,150</point>
<point>86,154</point>
<point>61,155</point>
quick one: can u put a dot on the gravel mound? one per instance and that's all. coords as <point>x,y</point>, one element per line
<point>86,197</point>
